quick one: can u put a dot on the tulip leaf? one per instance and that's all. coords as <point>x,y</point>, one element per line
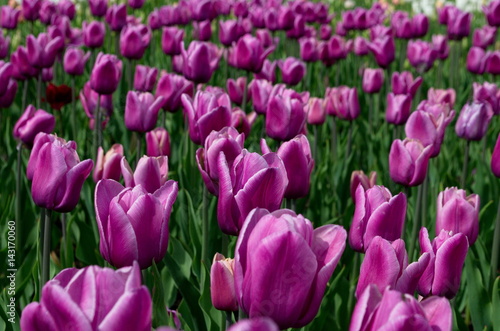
<point>479,302</point>
<point>495,311</point>
<point>212,315</point>
<point>159,308</point>
<point>25,271</point>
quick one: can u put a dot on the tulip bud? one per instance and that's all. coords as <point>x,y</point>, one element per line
<point>31,9</point>
<point>421,55</point>
<point>292,70</point>
<point>116,17</point>
<point>75,60</point>
<point>495,159</point>
<point>358,177</point>
<point>459,26</point>
<point>440,44</point>
<point>200,61</point>
<point>202,31</point>
<point>134,39</point>
<point>108,166</point>
<point>106,74</point>
<point>151,173</point>
<point>360,46</point>
<point>145,78</point>
<point>222,284</point>
<point>285,116</point>
<point>93,34</point>
<point>419,25</point>
<point>136,4</point>
<point>141,111</point>
<point>492,63</point>
<point>171,40</point>
<point>373,79</point>
<point>342,102</point>
<point>31,123</point>
<point>42,50</point>
<point>316,112</point>
<point>171,87</point>
<point>9,17</point>
<point>98,8</point>
<point>487,93</point>
<point>484,37</point>
<point>384,51</point>
<point>236,89</point>
<point>408,161</point>
<point>309,49</point>
<point>473,121</point>
<point>250,53</point>
<point>398,108</point>
<point>476,60</point>
<point>158,142</point>
<point>325,31</point>
<point>491,11</point>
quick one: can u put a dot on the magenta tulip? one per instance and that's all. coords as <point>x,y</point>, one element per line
<point>484,37</point>
<point>398,108</point>
<point>145,78</point>
<point>473,121</point>
<point>222,289</point>
<point>342,102</point>
<point>495,159</point>
<point>108,165</point>
<point>408,161</point>
<point>158,142</point>
<point>141,111</point>
<point>9,17</point>
<point>373,79</point>
<point>93,34</point>
<point>134,39</point>
<point>74,61</point>
<point>106,74</point>
<point>359,177</point>
<point>200,61</point>
<point>116,17</point>
<point>98,8</point>
<point>250,53</point>
<point>171,87</point>
<point>32,122</point>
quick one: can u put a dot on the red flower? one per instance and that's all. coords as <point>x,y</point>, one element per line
<point>58,96</point>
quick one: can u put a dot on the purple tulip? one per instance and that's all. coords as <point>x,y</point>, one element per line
<point>151,173</point>
<point>158,142</point>
<point>376,213</point>
<point>93,34</point>
<point>296,156</point>
<point>402,25</point>
<point>32,122</point>
<point>145,78</point>
<point>316,111</point>
<point>473,121</point>
<point>43,51</point>
<point>118,207</point>
<point>285,116</point>
<point>134,39</point>
<point>88,98</point>
<point>268,71</point>
<point>171,87</point>
<point>171,40</point>
<point>66,8</point>
<point>421,55</point>
<point>206,112</point>
<point>309,49</point>
<point>48,11</point>
<point>458,213</point>
<point>254,324</point>
<point>229,32</point>
<point>373,79</point>
<point>440,44</point>
<point>437,96</point>
<point>98,8</point>
<point>487,93</point>
<point>408,161</point>
<point>136,4</point>
<point>155,19</point>
<point>241,121</point>
<point>106,74</point>
<point>56,172</point>
<point>495,159</point>
<point>492,13</point>
<point>419,25</point>
<point>7,98</point>
<point>202,31</point>
<point>108,166</point>
<point>360,46</point>
<point>384,51</point>
<point>75,60</point>
<point>398,108</point>
<point>200,61</point>
<point>342,102</point>
<point>141,111</point>
<point>260,89</point>
<point>393,310</point>
<point>31,9</point>
<point>442,275</point>
<point>292,70</point>
<point>459,26</point>
<point>325,31</point>
<point>294,264</point>
<point>492,63</point>
<point>256,15</point>
<point>358,177</point>
<point>447,12</point>
<point>484,37</point>
<point>6,71</point>
<point>9,17</point>
<point>286,18</point>
<point>222,290</point>
<point>91,298</point>
<point>236,89</point>
<point>250,53</point>
<point>116,17</point>
<point>22,66</point>
<point>380,32</point>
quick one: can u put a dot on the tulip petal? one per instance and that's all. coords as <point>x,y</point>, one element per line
<point>72,186</point>
<point>82,290</point>
<point>121,237</point>
<point>438,312</point>
<point>401,165</point>
<point>36,318</point>
<point>408,281</point>
<point>358,226</point>
<point>367,303</point>
<point>227,209</point>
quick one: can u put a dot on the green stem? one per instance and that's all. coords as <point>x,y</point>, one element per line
<point>495,248</point>
<point>97,127</point>
<point>130,75</point>
<point>64,244</point>
<point>205,228</point>
<point>46,248</point>
<point>315,145</point>
<point>73,108</point>
<point>416,224</point>
<point>353,281</point>
<point>466,163</point>
<point>349,139</point>
<point>19,227</point>
<point>39,90</point>
<point>25,95</point>
<point>425,201</point>
<point>139,151</point>
<point>334,139</point>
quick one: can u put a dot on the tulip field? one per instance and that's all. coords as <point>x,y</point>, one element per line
<point>261,165</point>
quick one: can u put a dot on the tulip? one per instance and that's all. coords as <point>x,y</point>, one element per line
<point>442,275</point>
<point>376,213</point>
<point>440,44</point>
<point>6,70</point>
<point>116,17</point>
<point>241,121</point>
<point>292,70</point>
<point>171,40</point>
<point>408,161</point>
<point>342,102</point>
<point>200,61</point>
<point>158,142</point>
<point>383,50</point>
<point>336,48</point>
<point>222,284</point>
<point>260,89</point>
<point>250,53</point>
<point>145,78</point>
<point>268,71</point>
<point>206,112</point>
<point>203,10</point>
<point>446,12</point>
<point>48,11</point>
<point>48,76</point>
<point>437,96</point>
<point>402,25</point>
<point>230,143</point>
<point>240,9</point>
<point>380,32</point>
<point>31,123</point>
<point>7,99</point>
<point>487,93</point>
<point>492,63</point>
<point>31,9</point>
<point>9,17</point>
<point>171,87</point>
<point>88,98</point>
<point>373,79</point>
<point>293,263</point>
<point>476,60</point>
<point>236,89</point>
<point>492,13</point>
<point>296,156</point>
<point>257,323</point>
<point>360,46</point>
<point>42,51</point>
<point>325,31</point>
<point>421,55</point>
<point>358,177</point>
<point>108,165</point>
<point>286,18</point>
<point>141,111</point>
<point>134,39</point>
<point>155,19</point>
<point>229,32</point>
<point>484,37</point>
<point>59,174</point>
<point>151,173</point>
<point>75,60</point>
<point>386,264</point>
<point>285,116</point>
<point>98,8</point>
<point>202,31</point>
<point>495,159</point>
<point>419,25</point>
<point>66,8</point>
<point>106,74</point>
<point>136,4</point>
<point>459,26</point>
<point>309,49</point>
<point>93,34</point>
<point>473,121</point>
<point>399,311</point>
<point>91,298</point>
<point>256,17</point>
<point>398,108</point>
<point>316,111</point>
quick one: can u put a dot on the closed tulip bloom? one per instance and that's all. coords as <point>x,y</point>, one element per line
<point>495,159</point>
<point>294,263</point>
<point>254,324</point>
<point>155,20</point>
<point>171,87</point>
<point>309,49</point>
<point>9,17</point>
<point>43,51</point>
<point>48,10</point>
<point>473,121</point>
<point>145,78</point>
<point>268,71</point>
<point>136,4</point>
<point>66,8</point>
<point>91,298</point>
<point>459,26</point>
<point>386,264</point>
<point>286,18</point>
<point>236,89</point>
<point>271,19</point>
<point>116,17</point>
<point>151,173</point>
<point>241,121</point>
<point>222,289</point>
<point>342,102</point>
<point>59,174</point>
<point>298,161</point>
<point>325,31</point>
<point>132,222</point>
<point>398,108</point>
<point>141,111</point>
<point>75,60</point>
<point>408,161</point>
<point>7,98</point>
<point>442,275</point>
<point>484,37</point>
<point>250,53</point>
<point>134,39</point>
<point>171,40</point>
<point>93,34</point>
<point>492,63</point>
<point>31,9</point>
<point>447,12</point>
<point>458,213</point>
<point>6,71</point>
<point>316,111</point>
<point>108,166</point>
<point>488,93</point>
<point>446,96</point>
<point>359,177</point>
<point>380,31</point>
<point>394,310</point>
<point>373,79</point>
<point>227,141</point>
<point>229,32</point>
<point>256,15</point>
<point>202,31</point>
<point>360,46</point>
<point>203,10</point>
<point>106,74</point>
<point>32,122</point>
<point>260,90</point>
<point>285,116</point>
<point>476,60</point>
<point>402,25</point>
<point>383,50</point>
<point>200,61</point>
<point>292,70</point>
<point>88,98</point>
<point>376,213</point>
<point>98,8</point>
<point>421,55</point>
<point>206,112</point>
<point>419,25</point>
<point>440,44</point>
<point>492,13</point>
<point>158,142</point>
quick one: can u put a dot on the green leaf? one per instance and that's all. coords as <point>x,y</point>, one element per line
<point>479,301</point>
<point>495,311</point>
